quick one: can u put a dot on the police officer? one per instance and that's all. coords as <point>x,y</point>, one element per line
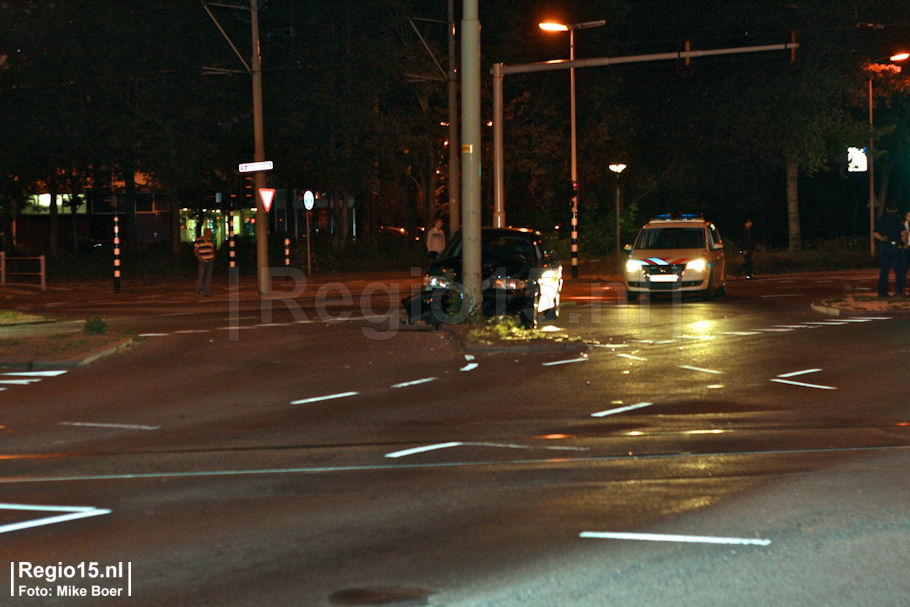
<point>888,230</point>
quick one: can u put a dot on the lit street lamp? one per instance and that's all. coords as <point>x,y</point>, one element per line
<point>617,168</point>
<point>870,161</point>
<point>560,27</point>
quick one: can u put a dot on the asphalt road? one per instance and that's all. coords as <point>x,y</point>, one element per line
<point>746,450</point>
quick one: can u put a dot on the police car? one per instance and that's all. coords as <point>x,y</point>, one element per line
<point>676,253</point>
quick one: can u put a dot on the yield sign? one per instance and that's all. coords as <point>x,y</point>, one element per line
<point>267,194</point>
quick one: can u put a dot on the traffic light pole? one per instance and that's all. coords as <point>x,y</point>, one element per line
<point>500,70</point>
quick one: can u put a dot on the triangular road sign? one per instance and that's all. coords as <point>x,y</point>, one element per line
<point>266,195</point>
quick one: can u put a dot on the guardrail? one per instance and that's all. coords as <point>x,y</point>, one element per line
<point>41,273</point>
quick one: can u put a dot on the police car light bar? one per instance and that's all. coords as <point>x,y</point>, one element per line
<point>677,216</point>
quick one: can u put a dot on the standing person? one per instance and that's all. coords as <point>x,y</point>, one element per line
<point>204,250</point>
<point>436,239</point>
<point>905,238</point>
<point>889,231</point>
<point>747,243</point>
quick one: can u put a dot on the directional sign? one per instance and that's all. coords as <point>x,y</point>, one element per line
<point>266,195</point>
<point>252,167</point>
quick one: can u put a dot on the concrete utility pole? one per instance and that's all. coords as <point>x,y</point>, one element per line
<point>470,153</point>
<point>262,216</point>
<point>254,69</point>
<point>454,164</point>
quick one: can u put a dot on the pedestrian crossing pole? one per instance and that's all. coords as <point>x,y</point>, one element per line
<point>232,253</point>
<point>116,251</point>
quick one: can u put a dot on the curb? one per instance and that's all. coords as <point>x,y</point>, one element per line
<point>71,364</point>
<point>826,309</point>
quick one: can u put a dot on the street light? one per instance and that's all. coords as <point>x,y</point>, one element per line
<point>617,168</point>
<point>870,160</point>
<point>551,26</point>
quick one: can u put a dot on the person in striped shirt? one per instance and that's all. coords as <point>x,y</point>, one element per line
<point>204,250</point>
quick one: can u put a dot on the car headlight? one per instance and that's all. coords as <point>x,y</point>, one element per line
<point>697,265</point>
<point>431,281</point>
<point>510,284</point>
<point>633,265</point>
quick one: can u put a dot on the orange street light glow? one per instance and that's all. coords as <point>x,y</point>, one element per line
<point>551,26</point>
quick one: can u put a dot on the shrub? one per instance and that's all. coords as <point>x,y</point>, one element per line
<point>95,326</point>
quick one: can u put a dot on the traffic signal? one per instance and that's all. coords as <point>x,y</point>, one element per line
<point>247,191</point>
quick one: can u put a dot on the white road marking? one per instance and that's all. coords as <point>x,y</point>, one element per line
<point>630,356</point>
<point>621,409</point>
<point>317,399</point>
<point>72,513</point>
<point>565,362</point>
<point>424,449</point>
<point>35,373</point>
<point>189,331</point>
<point>795,373</point>
<point>662,537</point>
<point>740,333</point>
<point>415,382</point>
<point>105,425</point>
<point>776,330</point>
<point>701,370</point>
<point>798,383</point>
<point>19,382</point>
<point>471,365</point>
<point>154,334</point>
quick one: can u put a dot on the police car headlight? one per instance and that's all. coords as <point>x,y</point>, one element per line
<point>436,282</point>
<point>697,265</point>
<point>633,265</point>
<point>510,284</point>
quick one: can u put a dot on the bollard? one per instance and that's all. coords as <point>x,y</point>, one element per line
<point>116,254</point>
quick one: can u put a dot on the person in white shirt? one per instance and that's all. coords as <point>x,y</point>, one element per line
<point>436,240</point>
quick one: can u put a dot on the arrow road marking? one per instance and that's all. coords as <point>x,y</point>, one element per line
<point>71,513</point>
<point>779,379</point>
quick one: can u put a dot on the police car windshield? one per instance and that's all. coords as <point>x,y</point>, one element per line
<point>671,238</point>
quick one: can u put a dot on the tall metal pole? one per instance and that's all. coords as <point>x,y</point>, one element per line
<point>499,212</point>
<point>470,153</point>
<point>870,159</point>
<point>454,151</point>
<point>262,216</point>
<point>549,66</point>
<point>574,155</point>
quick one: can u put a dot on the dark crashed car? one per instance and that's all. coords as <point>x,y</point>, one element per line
<point>520,276</point>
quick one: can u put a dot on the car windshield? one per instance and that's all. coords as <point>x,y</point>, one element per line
<point>498,245</point>
<point>671,238</point>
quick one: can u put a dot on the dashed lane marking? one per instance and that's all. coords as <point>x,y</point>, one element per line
<point>107,425</point>
<point>665,537</point>
<point>621,409</point>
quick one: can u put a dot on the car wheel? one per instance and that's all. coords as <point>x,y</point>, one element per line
<point>708,293</point>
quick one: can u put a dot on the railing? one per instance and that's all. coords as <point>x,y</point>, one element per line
<point>41,273</point>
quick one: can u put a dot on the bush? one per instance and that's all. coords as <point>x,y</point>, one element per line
<point>95,326</point>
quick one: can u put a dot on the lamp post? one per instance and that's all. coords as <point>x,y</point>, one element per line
<point>617,168</point>
<point>561,27</point>
<point>870,156</point>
